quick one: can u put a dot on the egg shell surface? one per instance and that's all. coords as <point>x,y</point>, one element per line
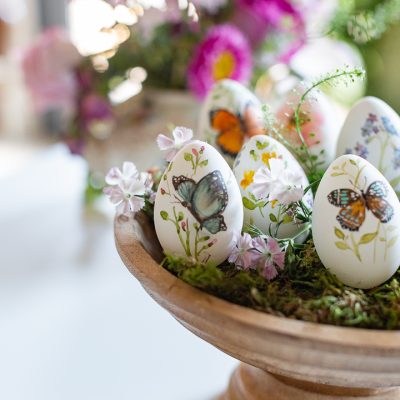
<point>356,221</point>
<point>257,153</point>
<point>198,206</point>
<point>372,131</point>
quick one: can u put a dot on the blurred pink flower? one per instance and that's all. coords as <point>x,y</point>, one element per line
<point>48,66</point>
<point>224,53</point>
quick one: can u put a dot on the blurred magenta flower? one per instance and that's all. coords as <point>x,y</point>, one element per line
<point>275,13</point>
<point>94,107</point>
<point>280,23</point>
<point>224,53</point>
<point>96,115</point>
<point>48,67</point>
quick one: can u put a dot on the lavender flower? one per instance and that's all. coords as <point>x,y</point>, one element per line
<point>361,150</point>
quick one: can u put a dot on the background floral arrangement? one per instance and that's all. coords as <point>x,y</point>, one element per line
<point>183,45</point>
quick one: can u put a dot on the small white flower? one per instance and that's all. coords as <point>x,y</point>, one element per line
<point>128,188</point>
<point>115,176</point>
<point>278,183</point>
<point>181,137</point>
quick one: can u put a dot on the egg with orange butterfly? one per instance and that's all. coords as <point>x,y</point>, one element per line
<point>356,223</point>
<point>230,115</point>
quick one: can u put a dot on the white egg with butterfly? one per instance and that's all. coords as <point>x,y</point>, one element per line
<point>198,206</point>
<point>271,217</point>
<point>230,115</point>
<point>356,223</point>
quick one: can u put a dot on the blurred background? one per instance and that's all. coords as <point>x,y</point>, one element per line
<point>87,84</point>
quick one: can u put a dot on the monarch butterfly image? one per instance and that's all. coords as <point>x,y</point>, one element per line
<point>233,129</point>
<point>354,205</point>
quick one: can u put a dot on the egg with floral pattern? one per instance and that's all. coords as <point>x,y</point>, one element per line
<point>372,131</point>
<point>356,222</point>
<point>266,205</point>
<point>198,206</point>
<point>230,115</point>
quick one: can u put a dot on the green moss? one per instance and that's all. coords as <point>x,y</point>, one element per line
<point>305,290</point>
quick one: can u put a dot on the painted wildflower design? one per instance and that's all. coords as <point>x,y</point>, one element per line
<point>272,184</point>
<point>354,204</point>
<point>381,131</point>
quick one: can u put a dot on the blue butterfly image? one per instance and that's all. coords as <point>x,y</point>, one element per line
<point>206,199</point>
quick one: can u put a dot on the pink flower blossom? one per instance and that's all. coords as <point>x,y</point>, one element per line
<point>48,67</point>
<point>241,253</point>
<point>269,256</point>
<point>181,137</point>
<point>224,53</point>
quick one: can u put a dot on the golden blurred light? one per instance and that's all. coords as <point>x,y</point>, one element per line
<point>86,19</point>
<point>137,9</point>
<point>125,15</point>
<point>124,91</point>
<point>100,63</point>
<point>121,33</point>
<point>137,74</point>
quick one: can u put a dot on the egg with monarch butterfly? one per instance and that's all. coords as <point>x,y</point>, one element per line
<point>356,223</point>
<point>198,205</point>
<point>230,115</point>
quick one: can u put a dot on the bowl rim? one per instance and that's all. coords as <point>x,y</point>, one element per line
<point>166,288</point>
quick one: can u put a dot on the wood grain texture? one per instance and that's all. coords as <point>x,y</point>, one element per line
<point>325,360</point>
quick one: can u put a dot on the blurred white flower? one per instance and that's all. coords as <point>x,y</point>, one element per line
<point>115,176</point>
<point>181,137</point>
<point>278,183</point>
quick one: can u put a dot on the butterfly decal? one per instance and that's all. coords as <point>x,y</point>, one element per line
<point>354,205</point>
<point>234,129</point>
<point>206,199</point>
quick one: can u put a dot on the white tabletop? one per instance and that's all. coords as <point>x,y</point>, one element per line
<point>74,324</point>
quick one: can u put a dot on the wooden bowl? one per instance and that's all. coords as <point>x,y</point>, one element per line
<point>283,359</point>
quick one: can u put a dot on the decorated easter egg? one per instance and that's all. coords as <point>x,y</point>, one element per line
<point>263,211</point>
<point>198,205</point>
<point>372,131</point>
<point>356,223</point>
<point>229,116</point>
<point>319,123</point>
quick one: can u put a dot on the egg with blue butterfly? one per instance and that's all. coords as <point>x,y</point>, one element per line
<point>356,223</point>
<point>198,206</point>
